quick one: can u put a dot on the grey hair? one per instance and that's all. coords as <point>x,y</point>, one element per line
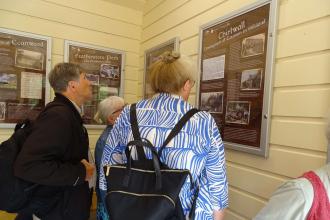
<point>62,74</point>
<point>107,107</point>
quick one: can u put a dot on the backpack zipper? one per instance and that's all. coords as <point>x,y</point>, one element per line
<point>143,195</point>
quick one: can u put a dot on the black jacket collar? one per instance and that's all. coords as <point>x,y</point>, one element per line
<point>59,98</point>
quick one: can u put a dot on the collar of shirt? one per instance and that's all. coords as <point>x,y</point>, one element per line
<point>77,107</point>
<point>167,94</point>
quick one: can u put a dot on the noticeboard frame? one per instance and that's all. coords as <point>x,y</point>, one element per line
<point>47,65</point>
<point>68,43</point>
<point>263,148</point>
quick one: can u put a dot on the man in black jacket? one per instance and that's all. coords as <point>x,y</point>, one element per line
<point>55,155</point>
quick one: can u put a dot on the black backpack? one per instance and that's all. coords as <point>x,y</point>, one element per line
<point>146,189</point>
<point>14,192</point>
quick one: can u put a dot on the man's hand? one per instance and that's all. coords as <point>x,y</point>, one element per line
<point>89,169</point>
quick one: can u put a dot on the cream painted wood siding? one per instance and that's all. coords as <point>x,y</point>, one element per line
<point>93,22</point>
<point>301,90</point>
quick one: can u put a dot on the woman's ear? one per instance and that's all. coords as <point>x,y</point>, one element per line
<point>110,120</point>
<point>187,86</point>
<point>185,90</point>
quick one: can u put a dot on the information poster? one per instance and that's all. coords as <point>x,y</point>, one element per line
<point>103,67</point>
<point>23,67</point>
<point>232,81</point>
<point>151,56</point>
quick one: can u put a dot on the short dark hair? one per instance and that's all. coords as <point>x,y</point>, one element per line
<point>62,73</point>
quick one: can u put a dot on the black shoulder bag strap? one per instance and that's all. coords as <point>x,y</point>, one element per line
<point>177,128</point>
<point>172,134</point>
<point>136,132</point>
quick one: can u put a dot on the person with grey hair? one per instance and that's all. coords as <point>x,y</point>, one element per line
<point>55,154</point>
<point>306,197</point>
<point>108,111</point>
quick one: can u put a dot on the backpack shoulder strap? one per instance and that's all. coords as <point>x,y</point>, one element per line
<point>177,128</point>
<point>135,131</point>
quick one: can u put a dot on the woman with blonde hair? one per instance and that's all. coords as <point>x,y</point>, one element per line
<point>197,147</point>
<point>108,111</point>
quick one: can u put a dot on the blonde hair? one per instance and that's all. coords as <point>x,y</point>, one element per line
<point>107,107</point>
<point>170,72</point>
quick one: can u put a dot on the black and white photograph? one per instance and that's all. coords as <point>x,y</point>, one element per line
<point>212,102</point>
<point>238,112</point>
<point>253,45</point>
<point>213,68</point>
<point>29,59</point>
<point>8,81</point>
<point>109,71</point>
<point>251,79</point>
<point>93,78</point>
<point>2,110</point>
<point>105,92</point>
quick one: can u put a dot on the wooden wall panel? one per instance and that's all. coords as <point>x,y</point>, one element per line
<point>288,132</point>
<point>104,8</point>
<point>293,12</point>
<point>312,69</point>
<point>73,17</point>
<point>301,102</point>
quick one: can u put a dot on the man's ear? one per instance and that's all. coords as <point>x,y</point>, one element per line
<point>71,85</point>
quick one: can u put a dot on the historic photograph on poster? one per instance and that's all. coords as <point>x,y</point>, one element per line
<point>105,92</point>
<point>2,110</point>
<point>109,71</point>
<point>251,79</point>
<point>8,81</point>
<point>213,68</point>
<point>93,78</point>
<point>238,112</point>
<point>29,59</point>
<point>212,102</point>
<point>253,45</point>
<point>152,55</point>
<point>31,85</point>
<point>20,111</point>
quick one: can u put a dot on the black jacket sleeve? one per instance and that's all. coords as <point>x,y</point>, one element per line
<point>42,158</point>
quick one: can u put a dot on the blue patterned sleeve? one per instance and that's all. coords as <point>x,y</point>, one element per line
<point>216,170</point>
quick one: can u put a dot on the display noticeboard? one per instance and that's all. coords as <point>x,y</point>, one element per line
<point>24,64</point>
<point>104,67</point>
<point>152,55</point>
<point>236,58</point>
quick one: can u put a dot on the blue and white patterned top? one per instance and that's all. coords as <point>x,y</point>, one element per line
<point>198,147</point>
